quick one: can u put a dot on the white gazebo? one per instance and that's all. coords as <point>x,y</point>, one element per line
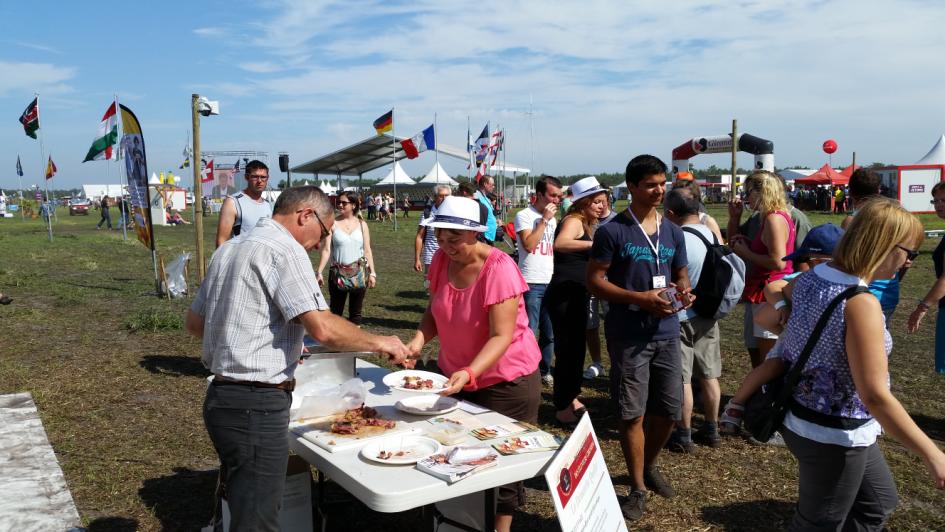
<point>396,176</point>
<point>935,156</point>
<point>438,176</point>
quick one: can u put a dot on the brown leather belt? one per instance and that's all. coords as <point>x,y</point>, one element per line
<point>288,385</point>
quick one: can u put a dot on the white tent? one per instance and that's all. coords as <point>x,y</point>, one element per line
<point>438,175</point>
<point>328,188</point>
<point>398,176</point>
<point>935,156</point>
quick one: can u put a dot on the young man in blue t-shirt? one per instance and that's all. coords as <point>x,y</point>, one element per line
<point>637,260</point>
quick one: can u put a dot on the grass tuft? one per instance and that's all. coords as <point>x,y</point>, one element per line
<point>154,320</point>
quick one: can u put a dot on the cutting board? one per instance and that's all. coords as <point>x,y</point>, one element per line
<point>318,431</point>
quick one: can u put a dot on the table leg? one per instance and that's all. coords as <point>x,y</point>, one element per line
<point>489,510</point>
<point>319,517</point>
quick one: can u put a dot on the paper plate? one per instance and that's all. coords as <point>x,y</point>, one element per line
<point>396,380</point>
<point>427,405</point>
<point>412,449</point>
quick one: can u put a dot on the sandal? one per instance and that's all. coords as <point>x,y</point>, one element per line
<point>731,420</point>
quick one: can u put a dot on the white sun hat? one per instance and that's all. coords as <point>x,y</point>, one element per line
<point>456,213</point>
<point>585,187</point>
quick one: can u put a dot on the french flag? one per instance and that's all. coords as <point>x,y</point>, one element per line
<point>425,140</point>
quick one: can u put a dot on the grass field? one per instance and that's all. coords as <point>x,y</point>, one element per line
<point>119,387</point>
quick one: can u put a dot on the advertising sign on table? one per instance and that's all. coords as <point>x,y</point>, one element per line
<point>580,484</point>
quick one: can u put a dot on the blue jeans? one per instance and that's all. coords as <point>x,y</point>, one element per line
<point>540,323</point>
<point>248,426</point>
<point>939,342</point>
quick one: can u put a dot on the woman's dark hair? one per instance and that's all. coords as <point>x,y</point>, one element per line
<point>643,166</point>
<point>354,198</point>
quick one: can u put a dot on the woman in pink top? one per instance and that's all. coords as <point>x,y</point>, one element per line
<point>477,310</point>
<point>766,251</point>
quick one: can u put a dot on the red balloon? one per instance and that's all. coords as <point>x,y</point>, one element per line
<point>830,146</point>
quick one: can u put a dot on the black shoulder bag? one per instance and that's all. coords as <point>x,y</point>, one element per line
<point>767,408</point>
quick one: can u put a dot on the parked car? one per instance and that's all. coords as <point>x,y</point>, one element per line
<point>79,206</point>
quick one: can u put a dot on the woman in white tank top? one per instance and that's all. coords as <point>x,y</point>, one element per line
<point>349,249</point>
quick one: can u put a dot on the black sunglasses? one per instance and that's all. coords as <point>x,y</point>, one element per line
<point>325,231</point>
<point>911,254</point>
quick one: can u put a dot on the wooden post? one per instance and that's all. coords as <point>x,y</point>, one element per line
<point>854,160</point>
<point>198,192</point>
<point>734,158</point>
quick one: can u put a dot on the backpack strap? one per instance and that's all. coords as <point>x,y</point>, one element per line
<point>705,241</point>
<point>238,222</point>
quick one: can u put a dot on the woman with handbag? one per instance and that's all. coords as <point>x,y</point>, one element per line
<point>352,264</point>
<point>841,401</point>
<point>477,310</point>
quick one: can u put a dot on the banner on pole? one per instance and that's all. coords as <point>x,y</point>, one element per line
<point>136,168</point>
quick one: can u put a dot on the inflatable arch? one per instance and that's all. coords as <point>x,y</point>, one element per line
<point>762,149</point>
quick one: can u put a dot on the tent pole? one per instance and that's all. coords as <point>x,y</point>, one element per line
<point>393,166</point>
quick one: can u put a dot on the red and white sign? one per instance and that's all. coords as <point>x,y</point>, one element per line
<point>580,484</point>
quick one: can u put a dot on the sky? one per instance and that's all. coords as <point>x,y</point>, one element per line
<point>579,87</point>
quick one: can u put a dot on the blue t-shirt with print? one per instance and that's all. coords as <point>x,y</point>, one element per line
<point>621,244</point>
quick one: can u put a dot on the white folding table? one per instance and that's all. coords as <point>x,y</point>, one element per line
<point>389,488</point>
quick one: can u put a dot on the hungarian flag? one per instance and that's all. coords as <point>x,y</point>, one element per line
<point>30,118</point>
<point>50,168</point>
<point>207,174</point>
<point>103,145</point>
<point>423,141</point>
<point>385,123</point>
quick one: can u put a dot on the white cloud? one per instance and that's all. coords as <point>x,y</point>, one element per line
<point>45,78</point>
<point>262,67</point>
<point>210,31</point>
<point>39,47</point>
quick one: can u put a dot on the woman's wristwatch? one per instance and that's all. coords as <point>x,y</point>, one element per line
<point>923,305</point>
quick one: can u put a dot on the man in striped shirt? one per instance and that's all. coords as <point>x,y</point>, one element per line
<point>425,244</point>
<point>258,300</point>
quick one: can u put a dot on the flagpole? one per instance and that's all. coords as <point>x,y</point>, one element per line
<point>393,168</point>
<point>436,151</point>
<point>44,165</point>
<point>468,152</point>
<point>19,181</point>
<point>123,219</point>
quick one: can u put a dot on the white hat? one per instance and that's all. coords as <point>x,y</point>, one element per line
<point>456,213</point>
<point>585,187</point>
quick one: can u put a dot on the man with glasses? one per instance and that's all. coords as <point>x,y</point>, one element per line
<point>252,310</point>
<point>425,245</point>
<point>241,211</point>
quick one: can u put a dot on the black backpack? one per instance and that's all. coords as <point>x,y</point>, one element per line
<point>721,281</point>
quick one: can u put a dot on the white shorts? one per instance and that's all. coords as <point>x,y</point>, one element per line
<point>757,330</point>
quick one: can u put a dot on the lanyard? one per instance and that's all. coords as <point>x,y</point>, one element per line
<point>654,247</point>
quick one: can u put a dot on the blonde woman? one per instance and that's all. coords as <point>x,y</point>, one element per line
<point>842,402</point>
<point>765,253</point>
<point>567,297</point>
<point>349,249</point>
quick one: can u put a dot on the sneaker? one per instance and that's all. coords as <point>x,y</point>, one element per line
<point>775,441</point>
<point>655,480</point>
<point>593,371</point>
<point>676,445</point>
<point>731,421</point>
<point>708,439</point>
<point>547,379</point>
<point>634,506</point>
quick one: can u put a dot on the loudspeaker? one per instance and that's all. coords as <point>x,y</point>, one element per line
<point>284,162</point>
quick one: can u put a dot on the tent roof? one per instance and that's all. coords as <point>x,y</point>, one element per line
<point>848,171</point>
<point>396,175</point>
<point>936,155</point>
<point>375,152</point>
<point>790,174</point>
<point>443,178</point>
<point>825,175</point>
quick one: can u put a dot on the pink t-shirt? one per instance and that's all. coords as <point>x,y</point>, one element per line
<point>462,318</point>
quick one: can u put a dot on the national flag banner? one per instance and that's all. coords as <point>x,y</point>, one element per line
<point>103,145</point>
<point>136,169</point>
<point>423,141</point>
<point>482,145</point>
<point>51,169</point>
<point>19,167</point>
<point>498,139</point>
<point>30,118</point>
<point>385,122</point>
<point>206,176</point>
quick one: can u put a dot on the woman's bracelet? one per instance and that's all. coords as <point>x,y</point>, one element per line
<point>781,304</point>
<point>472,385</point>
<point>374,275</point>
<point>923,305</point>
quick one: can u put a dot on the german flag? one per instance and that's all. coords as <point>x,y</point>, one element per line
<point>385,123</point>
